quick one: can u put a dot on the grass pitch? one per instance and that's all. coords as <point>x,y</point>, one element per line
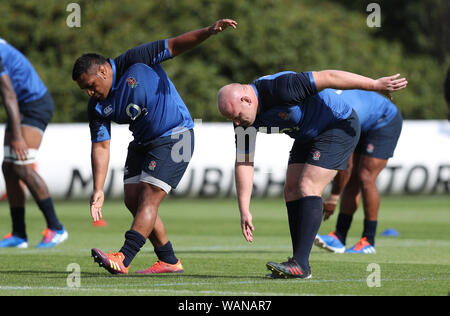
<point>219,262</point>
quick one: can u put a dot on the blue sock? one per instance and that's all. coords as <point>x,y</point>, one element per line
<point>133,244</point>
<point>166,254</point>
<point>343,224</point>
<point>293,214</point>
<point>48,209</point>
<point>370,229</point>
<point>18,222</point>
<point>305,224</point>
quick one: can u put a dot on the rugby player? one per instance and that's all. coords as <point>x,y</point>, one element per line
<point>326,130</point>
<point>134,89</point>
<point>381,125</point>
<point>447,92</point>
<point>29,107</point>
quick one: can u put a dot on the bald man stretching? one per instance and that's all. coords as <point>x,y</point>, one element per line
<point>326,131</point>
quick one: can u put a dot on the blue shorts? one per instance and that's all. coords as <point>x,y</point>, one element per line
<point>381,143</point>
<point>161,162</point>
<point>332,148</point>
<point>36,113</point>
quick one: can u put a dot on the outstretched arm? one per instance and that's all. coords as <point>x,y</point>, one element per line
<point>244,172</point>
<point>184,42</point>
<point>337,79</point>
<point>100,161</point>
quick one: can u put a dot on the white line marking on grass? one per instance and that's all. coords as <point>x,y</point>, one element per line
<point>141,291</point>
<point>300,281</point>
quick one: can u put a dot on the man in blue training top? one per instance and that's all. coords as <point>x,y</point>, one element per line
<point>381,125</point>
<point>326,130</point>
<point>134,89</point>
<point>29,107</point>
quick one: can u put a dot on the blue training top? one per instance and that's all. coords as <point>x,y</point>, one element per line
<point>25,80</point>
<point>289,103</point>
<point>373,109</point>
<point>142,96</point>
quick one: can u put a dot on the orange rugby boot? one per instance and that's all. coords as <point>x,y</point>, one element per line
<point>163,267</point>
<point>112,262</point>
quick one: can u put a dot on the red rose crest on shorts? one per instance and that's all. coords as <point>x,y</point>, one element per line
<point>152,165</point>
<point>316,155</point>
<point>370,148</point>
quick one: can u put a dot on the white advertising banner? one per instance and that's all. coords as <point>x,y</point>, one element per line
<point>421,164</point>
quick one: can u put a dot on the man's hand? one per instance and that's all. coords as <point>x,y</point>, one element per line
<point>386,85</point>
<point>97,200</point>
<point>247,226</point>
<point>329,206</point>
<point>20,147</point>
<point>189,40</point>
<point>221,25</point>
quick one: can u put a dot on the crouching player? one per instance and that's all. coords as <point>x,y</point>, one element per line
<point>134,89</point>
<point>381,125</point>
<point>29,107</point>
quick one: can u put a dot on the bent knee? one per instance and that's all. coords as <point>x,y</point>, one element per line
<point>291,192</point>
<point>367,177</point>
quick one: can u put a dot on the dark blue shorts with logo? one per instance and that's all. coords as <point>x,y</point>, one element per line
<point>36,113</point>
<point>381,143</point>
<point>161,162</point>
<point>332,148</point>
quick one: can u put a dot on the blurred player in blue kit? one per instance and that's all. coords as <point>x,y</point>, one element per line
<point>29,107</point>
<point>326,130</point>
<point>134,89</point>
<point>381,125</point>
<point>447,92</point>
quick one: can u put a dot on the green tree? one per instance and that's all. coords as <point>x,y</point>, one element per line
<point>272,35</point>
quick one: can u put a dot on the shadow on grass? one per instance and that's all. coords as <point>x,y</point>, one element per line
<point>244,251</point>
<point>104,274</point>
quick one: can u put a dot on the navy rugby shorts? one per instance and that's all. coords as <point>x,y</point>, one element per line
<point>332,148</point>
<point>380,143</point>
<point>161,162</point>
<point>36,113</point>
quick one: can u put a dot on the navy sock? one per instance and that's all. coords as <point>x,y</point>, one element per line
<point>166,254</point>
<point>293,217</point>
<point>370,229</point>
<point>48,209</point>
<point>343,224</point>
<point>18,222</point>
<point>133,244</point>
<point>305,224</point>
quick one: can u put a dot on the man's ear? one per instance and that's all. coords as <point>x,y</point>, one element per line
<point>246,99</point>
<point>103,71</point>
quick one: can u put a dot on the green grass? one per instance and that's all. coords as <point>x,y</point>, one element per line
<point>218,262</point>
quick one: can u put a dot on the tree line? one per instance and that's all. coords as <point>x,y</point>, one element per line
<point>272,36</point>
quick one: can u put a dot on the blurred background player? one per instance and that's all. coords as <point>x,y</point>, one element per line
<point>381,125</point>
<point>447,92</point>
<point>134,89</point>
<point>29,107</point>
<point>326,131</point>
